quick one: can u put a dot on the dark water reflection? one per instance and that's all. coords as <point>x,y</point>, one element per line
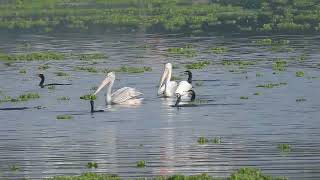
<point>165,137</point>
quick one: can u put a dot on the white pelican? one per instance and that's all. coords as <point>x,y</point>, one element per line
<point>167,87</point>
<point>125,95</point>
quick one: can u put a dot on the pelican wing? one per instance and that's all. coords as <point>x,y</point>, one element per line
<point>124,94</point>
<point>183,88</point>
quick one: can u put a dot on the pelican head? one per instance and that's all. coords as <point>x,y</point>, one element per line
<point>165,76</point>
<point>110,78</point>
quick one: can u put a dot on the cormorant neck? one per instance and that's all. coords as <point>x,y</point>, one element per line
<point>41,82</point>
<point>178,100</point>
<point>190,77</point>
<point>92,106</point>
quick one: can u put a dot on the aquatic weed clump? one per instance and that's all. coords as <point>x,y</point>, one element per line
<point>92,56</point>
<point>141,164</point>
<point>87,69</point>
<point>28,96</point>
<point>88,97</point>
<point>35,56</point>
<point>186,51</point>
<point>61,73</point>
<point>88,176</point>
<point>271,85</point>
<point>91,165</point>
<point>299,73</point>
<point>63,98</point>
<point>197,65</point>
<point>203,140</point>
<point>64,117</point>
<point>219,50</point>
<point>129,69</point>
<point>284,147</point>
<point>252,174</point>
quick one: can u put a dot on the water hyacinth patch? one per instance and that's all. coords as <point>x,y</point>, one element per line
<point>129,69</point>
<point>61,74</point>
<point>64,117</point>
<point>88,97</point>
<point>141,164</point>
<point>92,56</point>
<point>186,51</point>
<point>36,56</point>
<point>91,165</point>
<point>197,65</point>
<point>284,147</point>
<point>299,74</point>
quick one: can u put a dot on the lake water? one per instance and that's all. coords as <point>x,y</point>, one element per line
<point>163,136</point>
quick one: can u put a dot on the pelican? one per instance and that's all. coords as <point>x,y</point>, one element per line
<point>42,85</point>
<point>189,96</point>
<point>167,87</point>
<point>125,95</point>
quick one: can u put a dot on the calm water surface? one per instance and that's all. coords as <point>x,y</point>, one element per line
<point>165,137</point>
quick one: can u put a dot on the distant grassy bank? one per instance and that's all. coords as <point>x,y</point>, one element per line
<point>164,16</point>
<point>241,174</point>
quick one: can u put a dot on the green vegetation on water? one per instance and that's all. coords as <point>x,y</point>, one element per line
<point>244,97</point>
<point>141,164</point>
<point>92,56</point>
<point>284,147</point>
<point>61,74</point>
<point>22,71</point>
<point>64,117</point>
<point>63,98</point>
<point>241,174</point>
<point>35,56</point>
<point>91,165</point>
<point>22,97</point>
<point>216,140</point>
<point>129,69</point>
<point>197,65</point>
<point>271,85</point>
<point>257,93</point>
<point>279,65</point>
<point>301,99</point>
<point>14,168</point>
<point>51,87</point>
<point>88,97</point>
<point>299,73</point>
<point>186,51</point>
<point>203,140</point>
<point>87,69</point>
<point>219,50</point>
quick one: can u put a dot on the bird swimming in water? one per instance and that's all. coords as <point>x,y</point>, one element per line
<point>92,107</point>
<point>42,85</point>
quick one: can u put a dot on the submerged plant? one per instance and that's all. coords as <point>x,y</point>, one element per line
<point>257,93</point>
<point>244,97</point>
<point>141,164</point>
<point>198,65</point>
<point>64,117</point>
<point>91,165</point>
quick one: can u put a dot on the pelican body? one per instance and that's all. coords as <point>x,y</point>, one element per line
<point>125,95</point>
<point>166,86</point>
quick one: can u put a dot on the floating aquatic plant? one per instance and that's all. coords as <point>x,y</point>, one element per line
<point>43,67</point>
<point>279,65</point>
<point>257,93</point>
<point>197,65</point>
<point>219,50</point>
<point>186,51</point>
<point>91,165</point>
<point>129,69</point>
<point>92,56</point>
<point>216,140</point>
<point>61,74</point>
<point>203,140</point>
<point>259,75</point>
<point>64,117</point>
<point>64,98</point>
<point>299,73</point>
<point>87,69</point>
<point>141,164</point>
<point>22,71</point>
<point>271,85</point>
<point>238,62</point>
<point>51,87</point>
<point>14,168</point>
<point>244,97</point>
<point>301,100</point>
<point>28,96</point>
<point>284,147</point>
<point>36,56</point>
<point>88,97</point>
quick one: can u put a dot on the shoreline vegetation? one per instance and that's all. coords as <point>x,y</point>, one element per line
<point>241,174</point>
<point>161,16</point>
